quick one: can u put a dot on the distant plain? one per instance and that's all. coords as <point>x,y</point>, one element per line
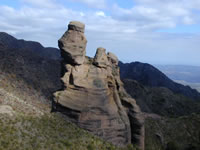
<point>186,75</point>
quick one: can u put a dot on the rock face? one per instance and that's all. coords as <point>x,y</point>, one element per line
<point>113,58</point>
<point>73,43</point>
<point>101,59</point>
<point>93,95</point>
<point>6,109</point>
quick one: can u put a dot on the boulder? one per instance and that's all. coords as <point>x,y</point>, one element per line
<point>6,109</point>
<point>101,59</point>
<point>112,58</point>
<point>76,26</point>
<point>93,97</point>
<point>73,44</point>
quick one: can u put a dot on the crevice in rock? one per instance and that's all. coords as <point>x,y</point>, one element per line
<point>136,125</point>
<point>71,79</point>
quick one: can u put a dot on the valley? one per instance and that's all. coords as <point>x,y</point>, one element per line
<point>186,75</point>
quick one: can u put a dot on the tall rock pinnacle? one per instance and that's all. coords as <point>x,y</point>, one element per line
<point>73,43</point>
<point>93,95</point>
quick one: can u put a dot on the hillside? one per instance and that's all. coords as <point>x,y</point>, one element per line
<point>30,47</point>
<point>181,72</point>
<point>193,85</point>
<point>172,118</point>
<point>27,81</point>
<point>186,75</point>
<point>150,76</point>
<point>24,125</point>
<point>181,133</point>
<point>27,68</point>
<point>160,100</point>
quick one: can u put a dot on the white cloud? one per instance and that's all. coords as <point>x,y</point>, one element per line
<point>32,23</point>
<point>82,14</point>
<point>188,21</point>
<point>100,4</point>
<point>100,14</point>
<point>127,32</point>
<point>41,3</point>
<point>157,14</point>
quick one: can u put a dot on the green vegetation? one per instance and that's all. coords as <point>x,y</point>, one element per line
<point>182,133</point>
<point>160,100</point>
<point>32,127</point>
<point>50,132</point>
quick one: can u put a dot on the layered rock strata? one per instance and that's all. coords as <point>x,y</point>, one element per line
<point>73,43</point>
<point>93,95</point>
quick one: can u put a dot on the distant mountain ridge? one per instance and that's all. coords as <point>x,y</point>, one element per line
<point>148,75</point>
<point>190,74</point>
<point>11,42</point>
<point>28,64</point>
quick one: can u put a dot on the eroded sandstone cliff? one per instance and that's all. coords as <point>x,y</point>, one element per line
<point>93,95</point>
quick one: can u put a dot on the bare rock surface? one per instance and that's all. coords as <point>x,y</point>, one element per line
<point>73,43</point>
<point>101,59</point>
<point>93,95</point>
<point>112,58</point>
<point>6,109</point>
<point>76,26</point>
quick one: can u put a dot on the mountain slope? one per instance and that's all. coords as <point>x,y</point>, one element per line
<point>171,115</point>
<point>160,100</point>
<point>181,72</point>
<point>182,133</point>
<point>25,126</point>
<point>28,77</point>
<point>26,67</point>
<point>148,75</point>
<point>186,75</point>
<point>33,48</point>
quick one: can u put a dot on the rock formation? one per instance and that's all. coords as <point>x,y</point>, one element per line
<point>73,43</point>
<point>93,95</point>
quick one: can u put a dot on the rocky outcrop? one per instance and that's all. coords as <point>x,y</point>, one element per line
<point>101,59</point>
<point>112,58</point>
<point>93,95</point>
<point>73,43</point>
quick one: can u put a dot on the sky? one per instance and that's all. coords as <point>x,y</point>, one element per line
<point>150,31</point>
